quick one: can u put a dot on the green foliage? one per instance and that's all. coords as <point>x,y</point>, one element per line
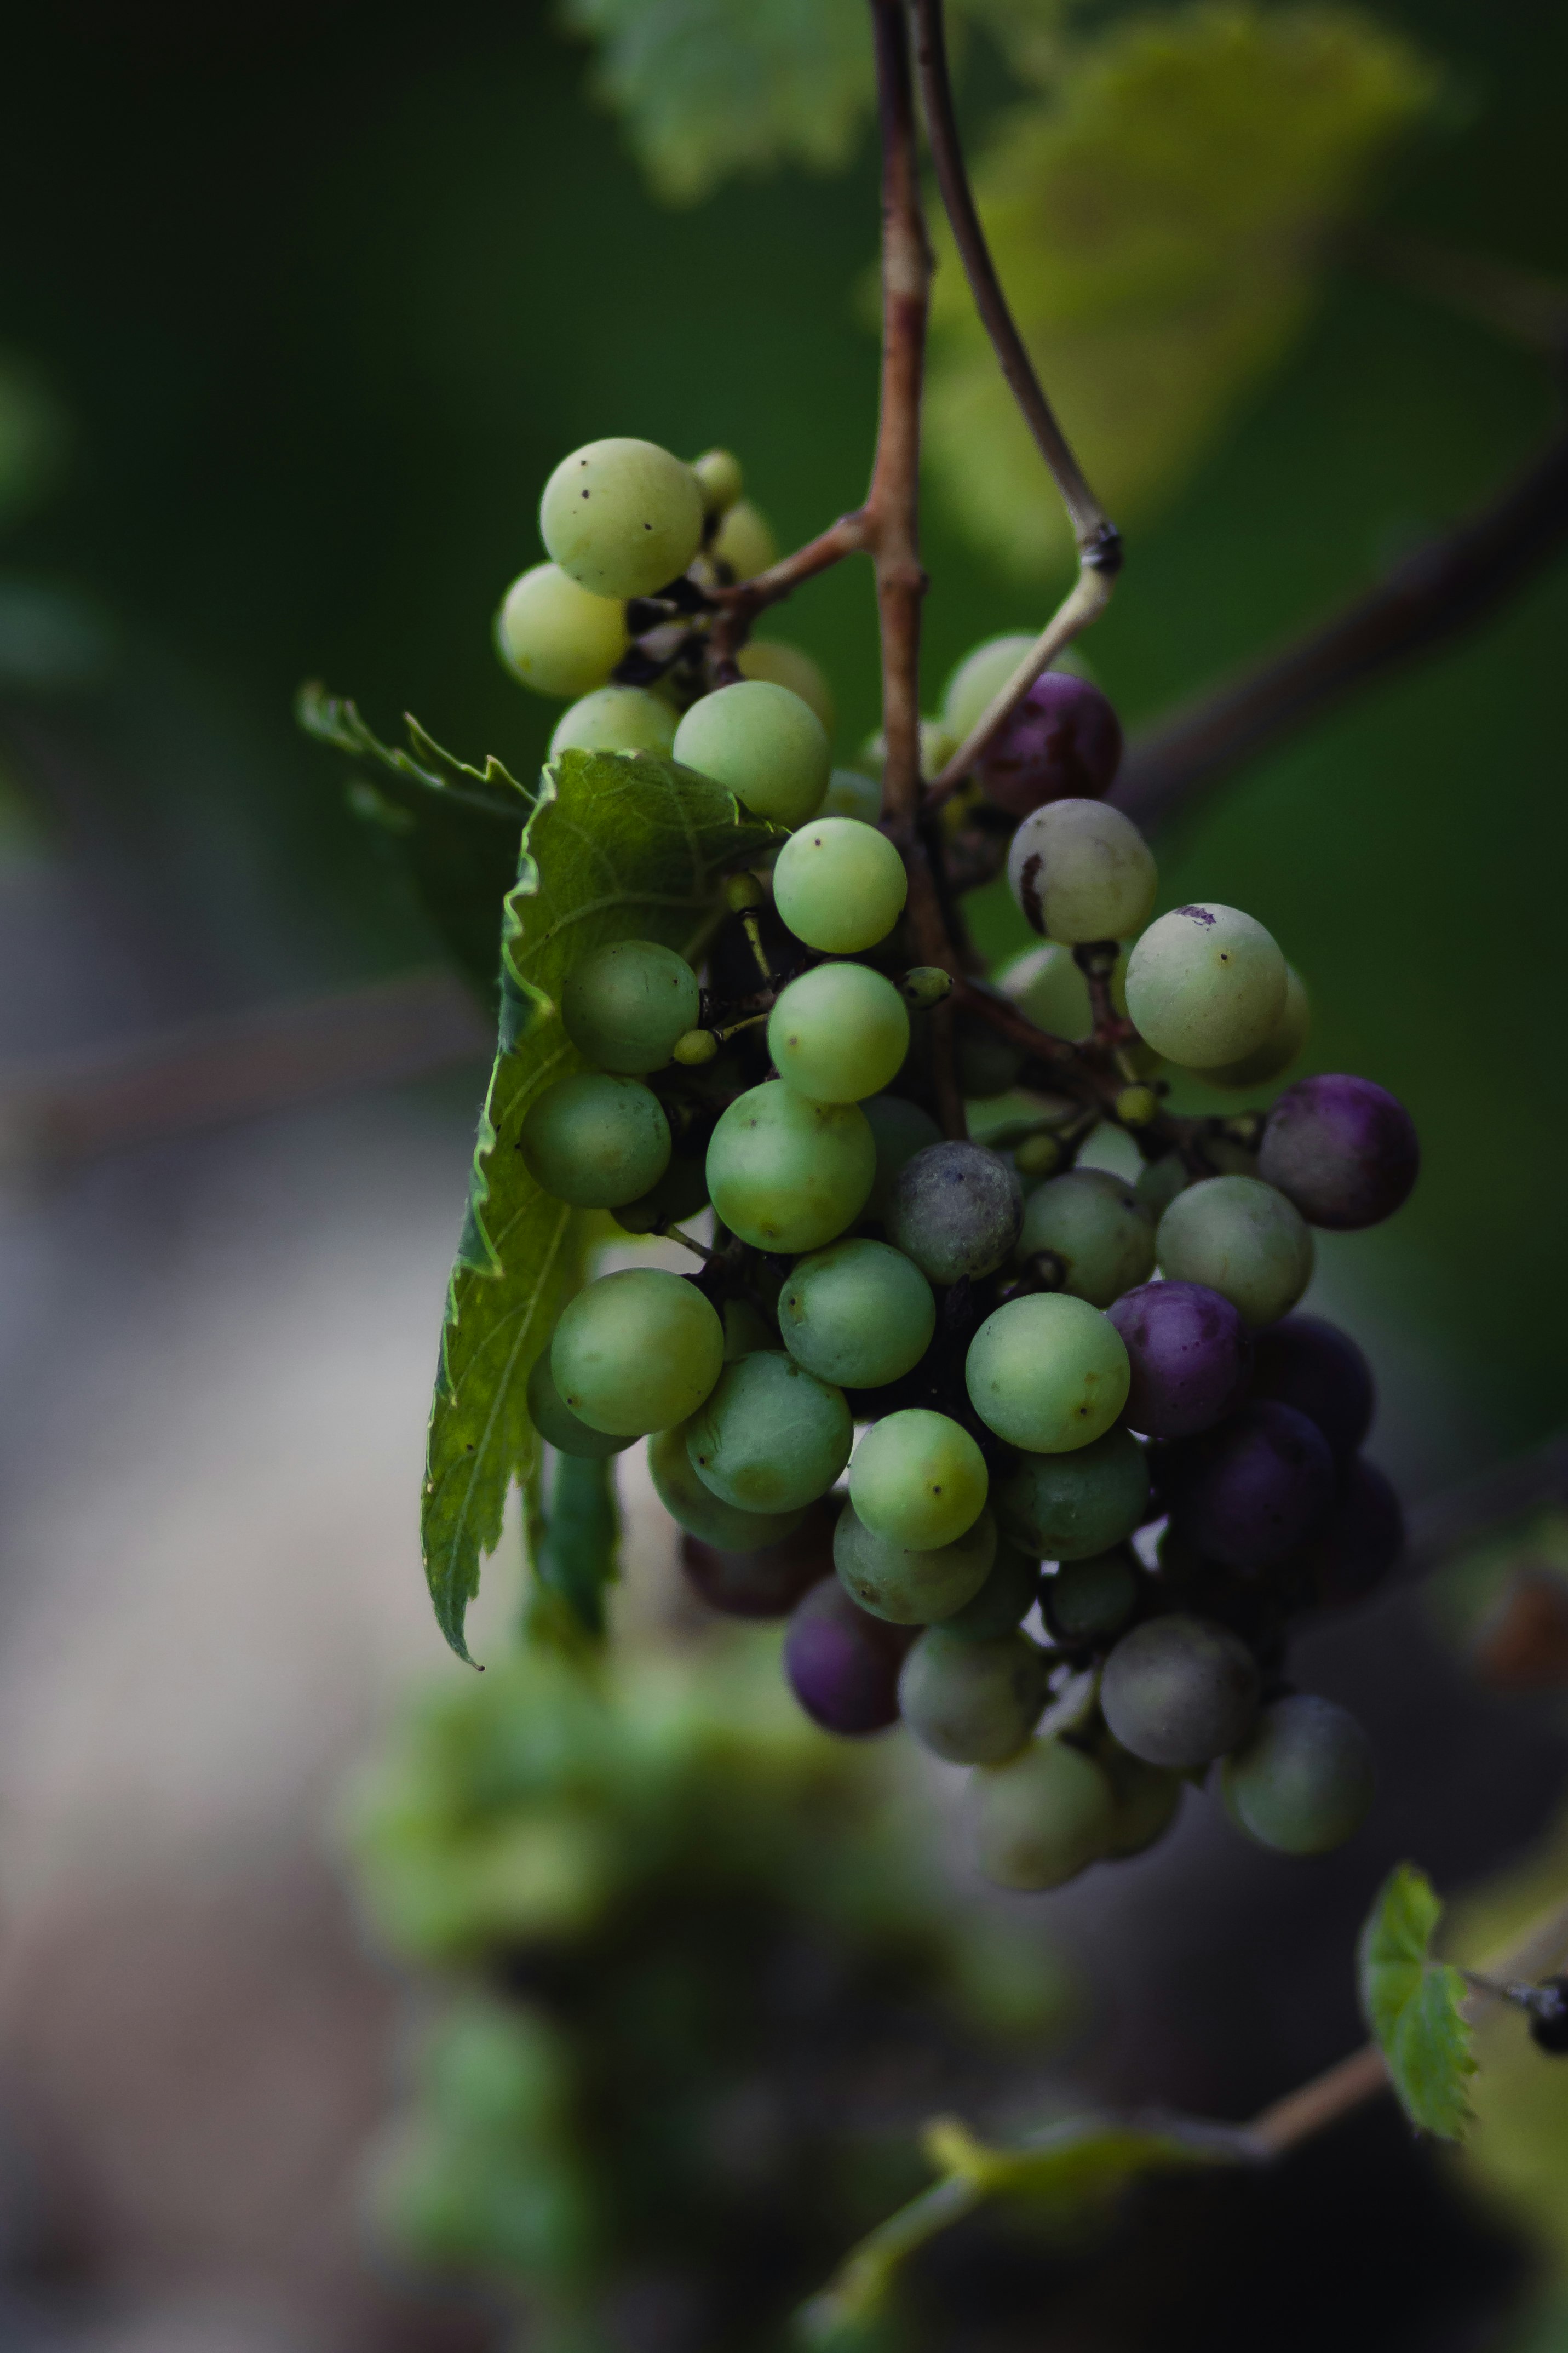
<point>575,1553</point>
<point>1162,221</point>
<point>1414,2005</point>
<point>615,848</point>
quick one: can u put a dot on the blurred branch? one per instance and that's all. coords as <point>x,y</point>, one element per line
<point>1524,305</point>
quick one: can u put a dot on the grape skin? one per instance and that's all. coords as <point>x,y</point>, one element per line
<point>719,478</point>
<point>852,795</point>
<point>1081,871</point>
<point>636,1351</point>
<point>766,1582</point>
<point>556,1423</point>
<point>1239,1237</point>
<point>1343,1149</point>
<point>972,1703</point>
<point>705,1516</point>
<point>1189,1354</point>
<point>622,517</point>
<point>1069,1506</point>
<point>624,1005</point>
<point>1047,1372</point>
<point>1088,1599</point>
<point>1097,1227</point>
<point>787,1174</point>
<point>908,1587</point>
<point>1206,985</point>
<point>786,665</point>
<point>843,1666</point>
<point>899,1130</point>
<point>595,1141</point>
<point>979,679</point>
<point>556,638</point>
<point>919,1478</point>
<point>1359,1540</point>
<point>1147,1799</point>
<point>1278,1049</point>
<point>838,1033</point>
<point>767,745</point>
<point>1246,1493</point>
<point>744,542</point>
<point>615,719</point>
<point>1304,1780</point>
<point>1179,1692</point>
<point>1312,1365</point>
<point>771,1437</point>
<point>858,1313</point>
<point>1062,740</point>
<point>1004,1601</point>
<point>680,1192</point>
<point>839,885</point>
<point>956,1209</point>
<point>1043,1817</point>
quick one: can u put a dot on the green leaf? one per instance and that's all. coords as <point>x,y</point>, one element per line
<point>1162,222</point>
<point>455,828</point>
<point>618,847</point>
<point>1414,2005</point>
<point>574,1558</point>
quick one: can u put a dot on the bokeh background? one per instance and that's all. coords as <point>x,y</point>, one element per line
<point>297,307</point>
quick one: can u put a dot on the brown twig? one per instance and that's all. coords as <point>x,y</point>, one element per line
<point>741,603</point>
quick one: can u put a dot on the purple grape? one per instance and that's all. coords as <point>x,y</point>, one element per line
<point>841,1663</point>
<point>1359,1540</point>
<point>1249,1493</point>
<point>1343,1149</point>
<point>1190,1354</point>
<point>1063,741</point>
<point>766,1583</point>
<point>1318,1369</point>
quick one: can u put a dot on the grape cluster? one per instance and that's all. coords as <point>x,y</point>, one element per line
<point>1083,1403</point>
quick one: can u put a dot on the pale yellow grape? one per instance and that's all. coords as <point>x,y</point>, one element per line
<point>615,719</point>
<point>622,517</point>
<point>764,742</point>
<point>851,793</point>
<point>1206,985</point>
<point>556,638</point>
<point>937,744</point>
<point>792,666</point>
<point>840,886</point>
<point>1049,990</point>
<point>744,541</point>
<point>1080,871</point>
<point>720,480</point>
<point>1279,1049</point>
<point>979,678</point>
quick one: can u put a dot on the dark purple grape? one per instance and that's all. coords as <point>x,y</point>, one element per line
<point>1063,741</point>
<point>1343,1149</point>
<point>766,1583</point>
<point>1359,1540</point>
<point>1318,1369</point>
<point>1190,1354</point>
<point>841,1663</point>
<point>1548,2016</point>
<point>1251,1491</point>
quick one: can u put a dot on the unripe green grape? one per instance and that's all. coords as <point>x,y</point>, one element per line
<point>858,1313</point>
<point>555,636</point>
<point>1080,870</point>
<point>1279,1049</point>
<point>744,542</point>
<point>679,1193</point>
<point>852,794</point>
<point>1043,1817</point>
<point>1147,1799</point>
<point>636,1351</point>
<point>1242,1239</point>
<point>840,886</point>
<point>937,745</point>
<point>909,1587</point>
<point>1158,1182</point>
<point>771,1438</point>
<point>1069,1506</point>
<point>972,1703</point>
<point>1179,1692</point>
<point>1206,985</point>
<point>979,679</point>
<point>1094,1223</point>
<point>1087,1600</point>
<point>788,1175</point>
<point>557,1424</point>
<point>615,719</point>
<point>838,1033</point>
<point>624,1005</point>
<point>919,1478</point>
<point>695,1507</point>
<point>1048,989</point>
<point>1005,1599</point>
<point>595,1141</point>
<point>622,517</point>
<point>1047,1372</point>
<point>899,1129</point>
<point>1302,1781</point>
<point>767,745</point>
<point>782,664</point>
<point>719,478</point>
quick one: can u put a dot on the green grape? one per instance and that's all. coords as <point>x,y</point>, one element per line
<point>615,719</point>
<point>679,1193</point>
<point>1069,1506</point>
<point>1047,1372</point>
<point>771,1438</point>
<point>919,1478</point>
<point>1206,987</point>
<point>622,517</point>
<point>636,1351</point>
<point>767,745</point>
<point>1096,1225</point>
<point>1158,1182</point>
<point>1242,1239</point>
<point>838,1033</point>
<point>555,636</point>
<point>744,542</point>
<point>1179,1692</point>
<point>839,885</point>
<point>624,1005</point>
<point>1048,989</point>
<point>1043,1817</point>
<point>850,794</point>
<point>979,679</point>
<point>695,1507</point>
<point>745,1330</point>
<point>786,665</point>
<point>595,1141</point>
<point>557,1424</point>
<point>1088,1600</point>
<point>972,1703</point>
<point>1005,1599</point>
<point>1302,1781</point>
<point>1147,1796</point>
<point>1279,1049</point>
<point>857,1313</point>
<point>1080,870</point>
<point>899,1129</point>
<point>908,1587</point>
<point>937,745</point>
<point>787,1174</point>
<point>719,478</point>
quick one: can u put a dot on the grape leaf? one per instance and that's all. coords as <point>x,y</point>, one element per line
<point>1162,221</point>
<point>574,1553</point>
<point>1414,2005</point>
<point>617,846</point>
